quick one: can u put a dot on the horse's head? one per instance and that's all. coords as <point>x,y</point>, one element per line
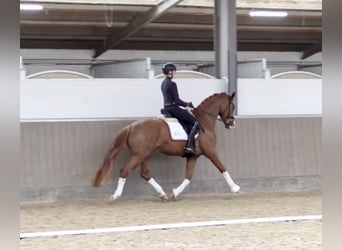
<point>227,113</point>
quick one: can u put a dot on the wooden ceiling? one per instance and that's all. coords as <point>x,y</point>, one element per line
<point>78,25</point>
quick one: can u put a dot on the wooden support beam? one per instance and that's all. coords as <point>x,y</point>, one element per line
<point>313,49</point>
<point>136,24</point>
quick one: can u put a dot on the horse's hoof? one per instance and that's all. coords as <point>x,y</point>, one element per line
<point>112,198</point>
<point>173,195</point>
<point>164,197</point>
<point>235,189</point>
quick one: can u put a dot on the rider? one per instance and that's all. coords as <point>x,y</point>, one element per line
<point>172,104</point>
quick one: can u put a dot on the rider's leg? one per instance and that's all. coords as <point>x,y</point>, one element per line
<point>190,145</point>
<point>185,116</point>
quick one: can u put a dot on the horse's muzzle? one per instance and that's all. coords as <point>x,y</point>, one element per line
<point>229,123</point>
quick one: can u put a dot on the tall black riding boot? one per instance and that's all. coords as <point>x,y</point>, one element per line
<point>190,148</point>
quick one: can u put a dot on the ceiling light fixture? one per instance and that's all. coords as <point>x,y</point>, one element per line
<point>267,13</point>
<point>29,6</point>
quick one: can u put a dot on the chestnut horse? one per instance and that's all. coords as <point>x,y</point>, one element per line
<point>143,136</point>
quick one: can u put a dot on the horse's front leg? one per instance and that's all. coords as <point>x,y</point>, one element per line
<point>190,165</point>
<point>145,174</point>
<point>213,157</point>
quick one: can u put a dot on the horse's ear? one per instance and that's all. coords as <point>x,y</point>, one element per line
<point>233,95</point>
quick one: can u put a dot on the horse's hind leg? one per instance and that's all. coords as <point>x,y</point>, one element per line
<point>145,174</point>
<point>124,172</point>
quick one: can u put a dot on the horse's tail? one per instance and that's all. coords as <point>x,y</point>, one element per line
<point>103,172</point>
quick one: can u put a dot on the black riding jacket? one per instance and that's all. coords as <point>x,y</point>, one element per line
<point>170,93</point>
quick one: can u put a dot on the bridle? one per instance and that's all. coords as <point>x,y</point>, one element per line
<point>228,121</point>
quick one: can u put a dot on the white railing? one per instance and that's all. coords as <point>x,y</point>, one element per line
<point>63,99</point>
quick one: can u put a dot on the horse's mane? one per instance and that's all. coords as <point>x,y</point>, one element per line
<point>209,98</point>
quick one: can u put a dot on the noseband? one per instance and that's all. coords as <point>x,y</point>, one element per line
<point>226,120</point>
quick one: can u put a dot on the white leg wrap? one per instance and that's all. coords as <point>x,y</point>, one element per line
<point>119,188</point>
<point>156,186</point>
<point>181,187</point>
<point>233,187</point>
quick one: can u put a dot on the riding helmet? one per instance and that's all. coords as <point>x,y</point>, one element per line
<point>167,67</point>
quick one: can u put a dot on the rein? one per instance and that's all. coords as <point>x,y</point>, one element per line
<point>212,115</point>
<point>206,113</point>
